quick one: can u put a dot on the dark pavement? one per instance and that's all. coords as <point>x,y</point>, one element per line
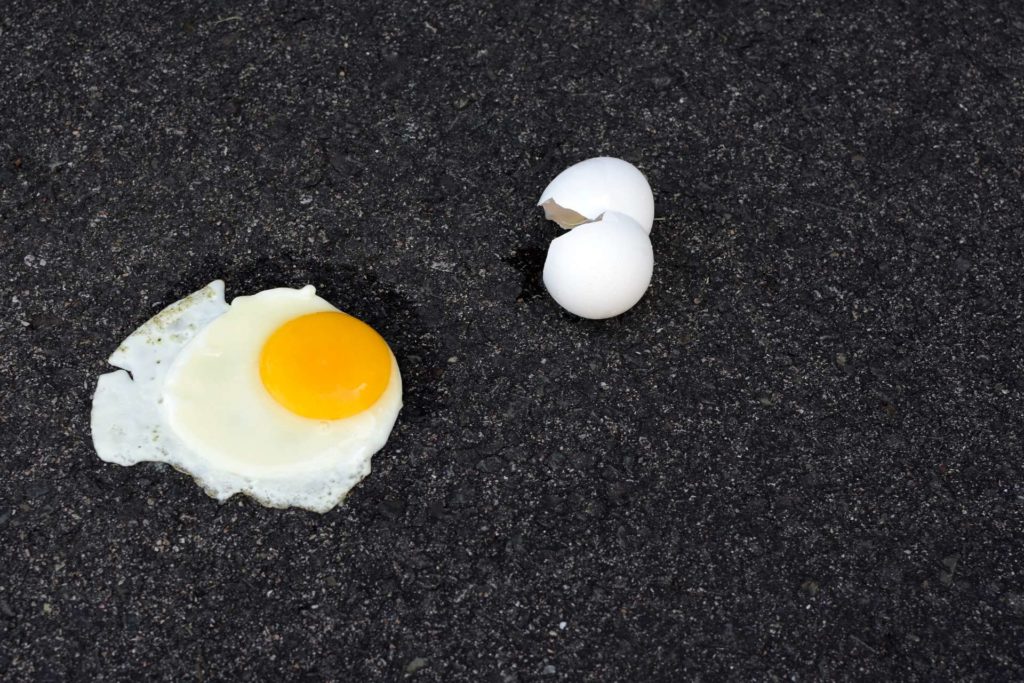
<point>801,456</point>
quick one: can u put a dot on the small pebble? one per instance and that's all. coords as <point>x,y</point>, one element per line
<point>415,665</point>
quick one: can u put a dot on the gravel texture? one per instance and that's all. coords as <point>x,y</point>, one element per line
<point>799,457</point>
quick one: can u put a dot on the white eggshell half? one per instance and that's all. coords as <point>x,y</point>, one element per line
<point>592,187</point>
<point>600,269</point>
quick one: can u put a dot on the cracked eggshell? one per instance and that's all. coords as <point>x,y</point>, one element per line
<point>600,269</point>
<point>586,190</point>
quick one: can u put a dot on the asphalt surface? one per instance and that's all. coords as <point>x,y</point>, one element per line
<point>799,457</point>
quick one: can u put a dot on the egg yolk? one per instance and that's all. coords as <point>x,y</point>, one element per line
<point>325,366</point>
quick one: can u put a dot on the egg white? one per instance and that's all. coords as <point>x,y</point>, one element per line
<point>194,399</point>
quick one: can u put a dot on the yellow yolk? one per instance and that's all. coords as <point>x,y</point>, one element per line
<point>325,366</point>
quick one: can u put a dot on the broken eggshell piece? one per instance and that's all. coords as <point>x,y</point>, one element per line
<point>600,269</point>
<point>584,191</point>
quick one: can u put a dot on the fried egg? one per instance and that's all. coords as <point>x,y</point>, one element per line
<point>280,396</point>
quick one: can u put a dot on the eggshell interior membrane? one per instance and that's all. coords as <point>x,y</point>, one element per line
<point>194,400</point>
<point>601,269</point>
<point>592,187</point>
